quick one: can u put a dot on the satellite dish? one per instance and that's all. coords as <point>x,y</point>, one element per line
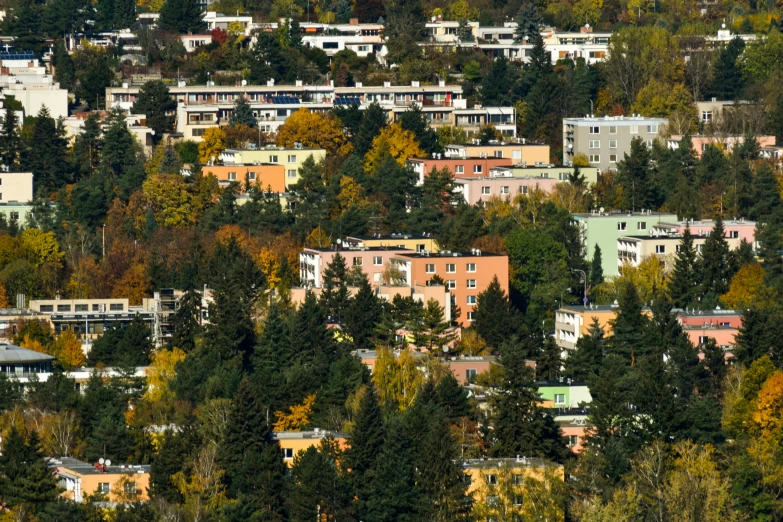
<point>601,209</point>
<point>100,460</point>
<point>244,82</point>
<point>108,463</point>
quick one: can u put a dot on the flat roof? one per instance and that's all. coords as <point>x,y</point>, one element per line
<point>393,236</point>
<point>313,434</point>
<point>520,462</point>
<point>265,149</point>
<point>702,313</point>
<point>460,158</point>
<point>357,249</point>
<point>85,468</point>
<point>619,214</point>
<point>451,255</point>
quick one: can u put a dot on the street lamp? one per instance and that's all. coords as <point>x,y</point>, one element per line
<point>584,275</point>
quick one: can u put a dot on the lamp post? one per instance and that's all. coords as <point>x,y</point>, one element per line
<point>584,275</point>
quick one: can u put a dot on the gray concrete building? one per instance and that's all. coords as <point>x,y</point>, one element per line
<point>605,141</point>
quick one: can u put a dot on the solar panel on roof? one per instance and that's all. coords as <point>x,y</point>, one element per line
<point>17,55</point>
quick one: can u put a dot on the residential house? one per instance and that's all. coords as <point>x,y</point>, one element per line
<point>590,174</point>
<point>291,159</point>
<point>572,322</point>
<point>19,362</point>
<point>268,177</point>
<point>25,79</point>
<point>564,394</point>
<point>373,261</point>
<point>120,483</point>
<point>480,189</point>
<point>413,242</point>
<point>293,442</point>
<point>724,143</point>
<point>460,167</point>
<point>521,152</point>
<point>605,141</point>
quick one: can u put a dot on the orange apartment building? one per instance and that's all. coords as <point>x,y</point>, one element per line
<point>119,482</point>
<point>293,442</point>
<point>466,274</point>
<point>265,176</point>
<point>460,167</point>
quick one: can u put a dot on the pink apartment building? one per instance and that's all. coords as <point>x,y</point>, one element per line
<point>372,261</point>
<point>737,229</point>
<point>727,143</point>
<point>478,189</point>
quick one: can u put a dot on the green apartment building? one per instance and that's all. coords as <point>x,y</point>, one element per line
<point>605,228</point>
<point>564,394</point>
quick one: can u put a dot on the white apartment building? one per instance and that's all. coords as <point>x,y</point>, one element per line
<point>22,77</point>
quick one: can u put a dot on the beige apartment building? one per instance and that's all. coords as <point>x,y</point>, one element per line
<point>290,158</point>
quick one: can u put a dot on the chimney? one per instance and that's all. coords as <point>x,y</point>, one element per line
<point>353,21</point>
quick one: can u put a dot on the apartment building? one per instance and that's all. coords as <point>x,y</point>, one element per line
<point>362,39</point>
<point>605,141</point>
<point>265,176</point>
<point>726,143</point>
<point>19,362</point>
<point>290,158</point>
<point>563,394</point>
<point>572,322</point>
<point>521,153</point>
<point>16,187</point>
<point>118,482</point>
<point>373,261</point>
<point>701,326</point>
<point>464,368</point>
<point>293,442</point>
<point>25,79</point>
<point>460,167</point>
<point>478,190</point>
<point>605,228</point>
<point>590,174</point>
<point>215,20</point>
<point>466,274</point>
<point>736,228</point>
<point>412,242</point>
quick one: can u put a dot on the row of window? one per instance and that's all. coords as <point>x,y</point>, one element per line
<point>504,190</point>
<point>114,307</point>
<point>460,169</point>
<point>251,176</point>
<point>451,268</point>
<point>651,129</point>
<point>104,488</point>
<point>452,284</point>
<point>596,144</point>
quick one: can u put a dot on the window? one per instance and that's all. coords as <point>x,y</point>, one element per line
<point>704,339</point>
<point>96,308</point>
<point>504,191</point>
<point>470,316</point>
<point>649,144</point>
<point>47,308</point>
<point>652,129</point>
<point>421,247</point>
<point>734,234</point>
<point>622,225</point>
<point>612,144</point>
<point>197,132</point>
<point>573,441</point>
<point>595,130</point>
<point>660,249</point>
<point>471,283</point>
<point>451,284</point>
<point>493,500</point>
<point>103,488</point>
<point>485,191</point>
<point>471,267</point>
<point>641,225</point>
<point>706,115</point>
<point>81,308</point>
<point>232,176</point>
<point>612,158</point>
<point>430,269</point>
<point>460,169</point>
<point>129,488</point>
<point>517,499</point>
<point>634,129</point>
<point>331,45</point>
<point>498,153</point>
<point>519,479</point>
<point>471,299</point>
<point>358,261</point>
<point>291,173</point>
<point>560,399</point>
<point>595,144</point>
<point>63,308</point>
<point>451,268</point>
<point>377,261</point>
<point>595,158</point>
<point>470,374</point>
<point>292,158</point>
<point>478,169</point>
<point>288,453</point>
<point>523,189</point>
<point>492,480</point>
<point>15,216</point>
<point>116,307</point>
<point>613,129</point>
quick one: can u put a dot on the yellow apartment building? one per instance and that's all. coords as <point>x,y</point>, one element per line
<point>119,482</point>
<point>293,442</point>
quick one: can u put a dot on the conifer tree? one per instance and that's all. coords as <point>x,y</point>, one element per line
<point>316,491</point>
<point>684,283</point>
<point>156,103</point>
<point>180,16</point>
<point>242,114</point>
<point>596,268</point>
<point>715,266</point>
<point>529,22</point>
<point>634,176</point>
<point>549,363</point>
<point>493,317</point>
<point>588,356</point>
<point>334,296</point>
<point>10,142</point>
<point>366,442</point>
<point>25,477</point>
<point>186,322</point>
<point>629,325</point>
<point>363,314</point>
<point>520,426</point>
<point>373,121</point>
<point>270,353</point>
<point>87,147</point>
<point>452,398</point>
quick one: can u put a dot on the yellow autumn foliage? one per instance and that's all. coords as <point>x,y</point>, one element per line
<point>213,143</point>
<point>161,372</point>
<point>298,416</point>
<point>314,130</point>
<point>395,140</point>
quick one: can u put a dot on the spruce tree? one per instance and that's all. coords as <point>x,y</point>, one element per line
<point>334,296</point>
<point>369,11</point>
<point>440,477</point>
<point>629,325</point>
<point>596,268</point>
<point>452,398</point>
<point>520,426</point>
<point>155,102</point>
<point>180,16</point>
<point>549,363</point>
<point>25,476</point>
<point>766,199</point>
<point>316,491</point>
<point>529,22</point>
<point>635,177</point>
<point>588,356</point>
<point>271,352</point>
<point>715,266</point>
<point>242,114</point>
<point>186,322</point>
<point>363,313</point>
<point>373,121</point>
<point>366,442</point>
<point>415,121</point>
<point>87,148</point>
<point>10,142</point>
<point>684,283</point>
<point>493,317</point>
<point>251,459</point>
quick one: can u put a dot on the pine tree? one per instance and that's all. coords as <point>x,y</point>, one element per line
<point>432,329</point>
<point>373,121</point>
<point>493,317</point>
<point>252,460</point>
<point>529,22</point>
<point>596,268</point>
<point>366,443</point>
<point>242,114</point>
<point>452,398</point>
<point>715,266</point>
<point>684,283</point>
<point>180,16</point>
<point>520,426</point>
<point>440,478</point>
<point>316,491</point>
<point>634,176</point>
<point>588,356</point>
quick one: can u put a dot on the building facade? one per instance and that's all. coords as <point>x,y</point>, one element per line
<point>480,190</point>
<point>290,158</point>
<point>605,141</point>
<point>117,482</point>
<point>373,261</point>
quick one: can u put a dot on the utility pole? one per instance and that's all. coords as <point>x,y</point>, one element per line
<point>584,274</point>
<point>103,248</point>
